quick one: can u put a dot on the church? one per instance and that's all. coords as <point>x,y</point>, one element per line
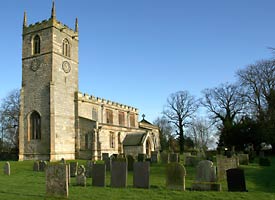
<point>56,120</point>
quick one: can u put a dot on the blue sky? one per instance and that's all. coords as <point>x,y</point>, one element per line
<point>137,52</point>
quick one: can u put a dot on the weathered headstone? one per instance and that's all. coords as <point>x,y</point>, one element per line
<point>98,175</point>
<point>42,165</point>
<point>175,176</point>
<point>141,157</point>
<point>164,157</point>
<point>73,168</point>
<point>243,159</point>
<point>224,163</point>
<point>131,161</point>
<point>57,180</point>
<point>154,156</point>
<point>191,161</point>
<point>173,157</point>
<point>236,180</point>
<point>36,166</point>
<point>105,156</point>
<point>7,169</point>
<point>141,175</point>
<point>206,177</point>
<point>80,177</point>
<point>89,168</point>
<point>119,173</point>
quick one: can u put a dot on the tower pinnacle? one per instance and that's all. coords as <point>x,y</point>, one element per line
<point>53,11</point>
<point>76,25</point>
<point>25,20</point>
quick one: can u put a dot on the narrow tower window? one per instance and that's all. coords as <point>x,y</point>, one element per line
<point>66,48</point>
<point>35,126</point>
<point>36,45</point>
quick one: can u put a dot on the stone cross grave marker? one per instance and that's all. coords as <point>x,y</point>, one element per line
<point>73,168</point>
<point>99,175</point>
<point>141,175</point>
<point>57,180</point>
<point>80,177</point>
<point>235,180</point>
<point>175,176</point>
<point>7,169</point>
<point>119,173</point>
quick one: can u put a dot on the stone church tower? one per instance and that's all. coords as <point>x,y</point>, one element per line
<point>48,111</point>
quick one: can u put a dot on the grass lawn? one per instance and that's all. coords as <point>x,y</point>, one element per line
<point>27,184</point>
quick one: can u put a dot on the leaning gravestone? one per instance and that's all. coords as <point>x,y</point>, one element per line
<point>7,169</point>
<point>36,166</point>
<point>175,176</point>
<point>131,162</point>
<point>206,177</point>
<point>98,175</point>
<point>80,177</point>
<point>141,175</point>
<point>236,180</point>
<point>173,157</point>
<point>42,165</point>
<point>73,168</point>
<point>119,173</point>
<point>57,180</point>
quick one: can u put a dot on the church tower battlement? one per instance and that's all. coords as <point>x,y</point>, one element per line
<point>48,111</point>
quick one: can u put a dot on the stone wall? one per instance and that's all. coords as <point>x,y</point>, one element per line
<point>224,163</point>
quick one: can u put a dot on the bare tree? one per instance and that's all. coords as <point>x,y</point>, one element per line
<point>179,109</point>
<point>224,103</point>
<point>166,131</point>
<point>9,119</point>
<point>258,80</point>
<point>201,132</point>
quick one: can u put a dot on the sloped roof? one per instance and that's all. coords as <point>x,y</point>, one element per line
<point>145,121</point>
<point>134,139</point>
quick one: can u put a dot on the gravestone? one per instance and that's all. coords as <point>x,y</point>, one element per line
<point>224,163</point>
<point>191,161</point>
<point>89,168</point>
<point>36,166</point>
<point>154,156</point>
<point>98,175</point>
<point>7,169</point>
<point>236,180</point>
<point>131,162</point>
<point>119,173</point>
<point>164,157</point>
<point>105,156</point>
<point>141,157</point>
<point>243,159</point>
<point>42,165</point>
<point>141,175</point>
<point>80,177</point>
<point>73,168</point>
<point>175,176</point>
<point>173,157</point>
<point>206,177</point>
<point>57,180</point>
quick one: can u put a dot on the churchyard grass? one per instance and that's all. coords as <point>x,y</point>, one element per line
<point>24,183</point>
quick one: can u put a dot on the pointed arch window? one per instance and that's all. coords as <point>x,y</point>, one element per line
<point>36,45</point>
<point>66,48</point>
<point>35,126</point>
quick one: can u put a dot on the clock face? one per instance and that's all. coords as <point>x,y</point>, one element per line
<point>66,67</point>
<point>35,64</point>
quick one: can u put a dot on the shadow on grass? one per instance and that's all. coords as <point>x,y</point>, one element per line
<point>260,178</point>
